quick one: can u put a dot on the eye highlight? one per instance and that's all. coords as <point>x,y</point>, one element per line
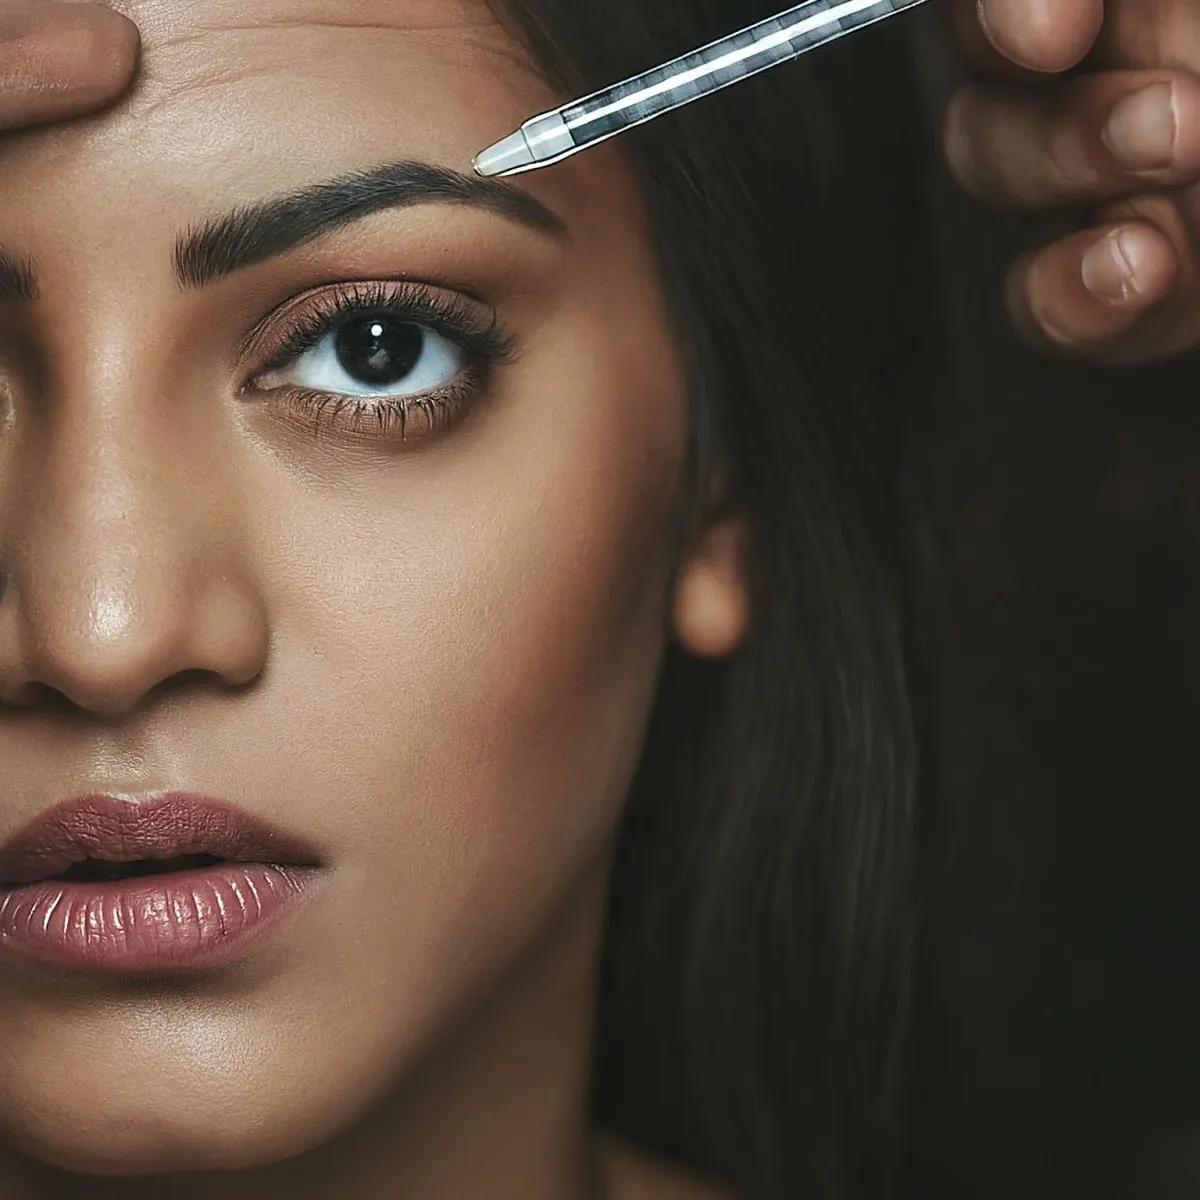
<point>384,359</point>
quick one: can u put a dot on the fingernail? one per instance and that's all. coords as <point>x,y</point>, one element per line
<point>1142,129</point>
<point>1110,267</point>
<point>986,11</point>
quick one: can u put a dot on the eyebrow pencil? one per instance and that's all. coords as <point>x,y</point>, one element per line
<point>553,136</point>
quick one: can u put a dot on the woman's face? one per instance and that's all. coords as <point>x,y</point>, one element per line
<point>354,507</point>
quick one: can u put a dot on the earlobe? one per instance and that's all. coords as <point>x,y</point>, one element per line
<point>712,600</point>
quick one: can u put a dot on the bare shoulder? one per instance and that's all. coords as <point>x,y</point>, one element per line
<point>634,1176</point>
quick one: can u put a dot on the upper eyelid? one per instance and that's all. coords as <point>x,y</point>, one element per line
<point>253,339</point>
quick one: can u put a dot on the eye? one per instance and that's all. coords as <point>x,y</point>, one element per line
<point>378,354</point>
<point>385,361</point>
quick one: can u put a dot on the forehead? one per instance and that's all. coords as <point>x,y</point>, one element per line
<point>238,100</point>
<point>286,91</point>
<point>427,73</point>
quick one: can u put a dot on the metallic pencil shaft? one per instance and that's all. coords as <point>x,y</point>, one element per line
<point>556,135</point>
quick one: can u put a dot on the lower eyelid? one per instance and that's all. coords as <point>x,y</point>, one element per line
<point>361,420</point>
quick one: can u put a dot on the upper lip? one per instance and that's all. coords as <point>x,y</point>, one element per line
<point>129,828</point>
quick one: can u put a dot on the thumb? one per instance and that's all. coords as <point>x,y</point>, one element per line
<point>61,59</point>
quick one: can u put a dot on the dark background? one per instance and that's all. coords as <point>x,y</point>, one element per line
<point>1057,519</point>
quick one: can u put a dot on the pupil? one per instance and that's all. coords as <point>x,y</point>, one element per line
<point>379,350</point>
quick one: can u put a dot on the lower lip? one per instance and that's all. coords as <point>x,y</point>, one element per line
<point>185,921</point>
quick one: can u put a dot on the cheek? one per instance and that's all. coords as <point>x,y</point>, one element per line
<point>476,657</point>
<point>505,653</point>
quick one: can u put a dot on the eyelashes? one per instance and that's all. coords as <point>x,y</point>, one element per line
<point>380,360</point>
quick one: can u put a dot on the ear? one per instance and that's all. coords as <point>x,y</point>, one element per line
<point>712,596</point>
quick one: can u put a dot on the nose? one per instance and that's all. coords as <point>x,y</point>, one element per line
<point>122,575</point>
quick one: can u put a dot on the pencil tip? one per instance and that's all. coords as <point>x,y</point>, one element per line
<point>507,155</point>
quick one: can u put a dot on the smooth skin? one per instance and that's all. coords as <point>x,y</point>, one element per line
<point>313,1105</point>
<point>432,655</point>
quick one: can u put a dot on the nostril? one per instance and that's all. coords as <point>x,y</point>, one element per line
<point>195,677</point>
<point>40,697</point>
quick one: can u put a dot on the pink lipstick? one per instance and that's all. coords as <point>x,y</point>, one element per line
<point>144,884</point>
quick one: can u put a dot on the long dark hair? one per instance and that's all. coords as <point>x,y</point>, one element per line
<point>755,986</point>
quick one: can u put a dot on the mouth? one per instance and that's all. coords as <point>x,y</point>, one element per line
<point>99,838</point>
<point>171,882</point>
<point>98,870</point>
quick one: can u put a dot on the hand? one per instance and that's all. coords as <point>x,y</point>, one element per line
<point>1121,136</point>
<point>61,59</point>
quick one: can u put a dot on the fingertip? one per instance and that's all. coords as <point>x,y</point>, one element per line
<point>101,49</point>
<point>1091,288</point>
<point>1129,266</point>
<point>1042,35</point>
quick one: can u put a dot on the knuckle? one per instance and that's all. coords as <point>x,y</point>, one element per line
<point>1047,324</point>
<point>1055,334</point>
<point>1036,308</point>
<point>1075,170</point>
<point>960,143</point>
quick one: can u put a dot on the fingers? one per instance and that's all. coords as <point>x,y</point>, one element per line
<point>1127,292</point>
<point>1090,288</point>
<point>1086,140</point>
<point>60,59</point>
<point>1037,35</point>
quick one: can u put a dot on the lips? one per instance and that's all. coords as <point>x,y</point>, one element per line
<point>109,829</point>
<point>131,885</point>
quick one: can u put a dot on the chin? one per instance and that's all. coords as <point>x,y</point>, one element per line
<point>89,1133</point>
<point>157,1148</point>
<point>154,1148</point>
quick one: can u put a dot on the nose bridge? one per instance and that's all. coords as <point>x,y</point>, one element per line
<point>104,540</point>
<point>121,566</point>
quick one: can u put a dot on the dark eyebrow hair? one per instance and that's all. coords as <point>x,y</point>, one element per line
<point>250,235</point>
<point>17,281</point>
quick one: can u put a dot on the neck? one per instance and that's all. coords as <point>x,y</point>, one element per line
<point>500,1110</point>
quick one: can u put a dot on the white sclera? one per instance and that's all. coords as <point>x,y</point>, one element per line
<point>320,370</point>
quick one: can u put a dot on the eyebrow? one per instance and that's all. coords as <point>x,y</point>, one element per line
<point>252,234</point>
